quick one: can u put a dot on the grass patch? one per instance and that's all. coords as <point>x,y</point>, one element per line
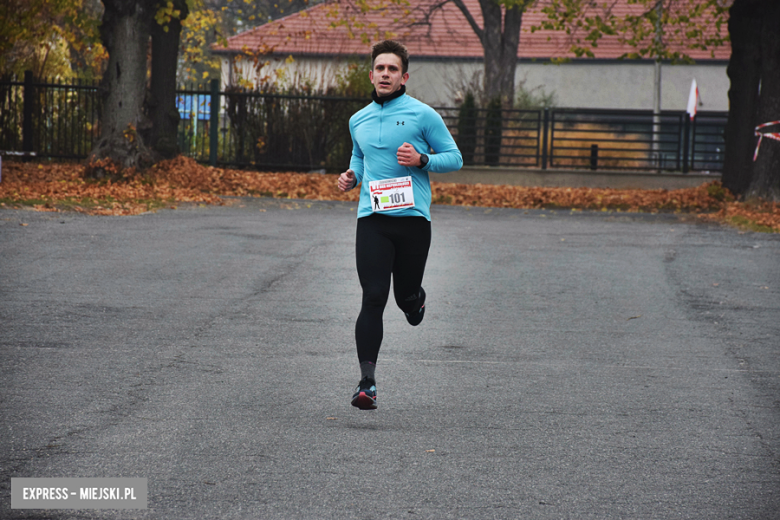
<point>746,223</point>
<point>8,201</point>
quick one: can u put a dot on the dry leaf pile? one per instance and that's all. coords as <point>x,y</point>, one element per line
<point>689,200</point>
<point>52,187</point>
<point>755,215</point>
<point>56,187</point>
<point>184,172</point>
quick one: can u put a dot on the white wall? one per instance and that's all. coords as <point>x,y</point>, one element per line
<point>618,84</point>
<point>625,84</point>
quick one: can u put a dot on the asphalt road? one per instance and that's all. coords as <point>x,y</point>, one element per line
<point>570,365</point>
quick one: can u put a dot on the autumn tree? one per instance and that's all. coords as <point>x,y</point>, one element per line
<point>659,30</point>
<point>213,21</point>
<point>652,29</point>
<point>51,38</point>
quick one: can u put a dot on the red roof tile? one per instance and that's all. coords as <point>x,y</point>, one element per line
<point>443,34</point>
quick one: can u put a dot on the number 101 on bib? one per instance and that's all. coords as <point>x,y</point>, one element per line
<point>389,194</point>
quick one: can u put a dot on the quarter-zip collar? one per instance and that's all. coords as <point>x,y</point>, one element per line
<point>384,99</point>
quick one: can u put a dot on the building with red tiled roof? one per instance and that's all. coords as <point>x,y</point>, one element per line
<point>446,56</point>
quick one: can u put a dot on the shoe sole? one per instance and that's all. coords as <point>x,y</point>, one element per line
<point>416,318</point>
<point>364,402</point>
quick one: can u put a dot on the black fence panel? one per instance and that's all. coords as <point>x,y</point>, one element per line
<point>68,123</point>
<point>708,142</point>
<point>266,131</point>
<point>289,132</point>
<point>616,139</point>
<point>49,118</point>
<point>497,138</point>
<point>11,108</point>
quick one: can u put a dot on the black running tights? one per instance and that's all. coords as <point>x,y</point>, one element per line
<point>384,246</point>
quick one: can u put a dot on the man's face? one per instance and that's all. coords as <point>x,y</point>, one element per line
<point>386,75</point>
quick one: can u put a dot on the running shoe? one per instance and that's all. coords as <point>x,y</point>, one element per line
<point>414,318</point>
<point>365,394</point>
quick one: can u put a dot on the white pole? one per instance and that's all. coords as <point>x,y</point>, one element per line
<point>657,89</point>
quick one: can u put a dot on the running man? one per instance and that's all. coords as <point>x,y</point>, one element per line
<point>393,140</point>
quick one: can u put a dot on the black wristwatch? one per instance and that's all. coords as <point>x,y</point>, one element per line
<point>423,160</point>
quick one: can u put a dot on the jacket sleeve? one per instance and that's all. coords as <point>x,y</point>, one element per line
<point>446,156</point>
<point>356,162</point>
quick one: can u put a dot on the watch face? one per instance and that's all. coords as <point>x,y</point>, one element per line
<point>423,159</point>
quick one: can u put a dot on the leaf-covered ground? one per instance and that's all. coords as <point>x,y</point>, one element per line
<point>62,187</point>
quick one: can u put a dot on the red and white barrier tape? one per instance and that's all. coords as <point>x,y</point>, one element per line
<point>761,135</point>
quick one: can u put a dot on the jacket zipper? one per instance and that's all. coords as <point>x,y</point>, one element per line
<point>381,120</point>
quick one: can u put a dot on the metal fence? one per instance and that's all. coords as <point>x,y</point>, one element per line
<point>635,140</point>
<point>707,141</point>
<point>277,131</point>
<point>272,131</point>
<point>501,138</point>
<point>50,119</point>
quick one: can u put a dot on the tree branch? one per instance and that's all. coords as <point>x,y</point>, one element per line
<point>428,12</point>
<point>472,22</point>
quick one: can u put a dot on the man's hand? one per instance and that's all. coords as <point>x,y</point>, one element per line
<point>408,156</point>
<point>347,180</point>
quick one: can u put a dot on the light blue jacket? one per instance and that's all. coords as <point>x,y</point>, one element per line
<point>378,130</point>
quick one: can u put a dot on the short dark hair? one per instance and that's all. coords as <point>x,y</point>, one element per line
<point>391,47</point>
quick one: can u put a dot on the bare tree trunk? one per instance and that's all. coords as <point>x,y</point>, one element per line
<point>161,102</point>
<point>500,38</point>
<point>765,182</point>
<point>125,33</point>
<point>744,71</point>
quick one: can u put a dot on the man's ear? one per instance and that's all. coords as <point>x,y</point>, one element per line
<point>371,75</point>
<point>404,78</point>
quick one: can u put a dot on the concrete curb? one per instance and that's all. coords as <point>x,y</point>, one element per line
<point>558,178</point>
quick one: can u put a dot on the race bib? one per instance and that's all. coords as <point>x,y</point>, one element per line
<point>389,194</point>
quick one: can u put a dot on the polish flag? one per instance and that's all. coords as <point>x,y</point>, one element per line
<point>693,99</point>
